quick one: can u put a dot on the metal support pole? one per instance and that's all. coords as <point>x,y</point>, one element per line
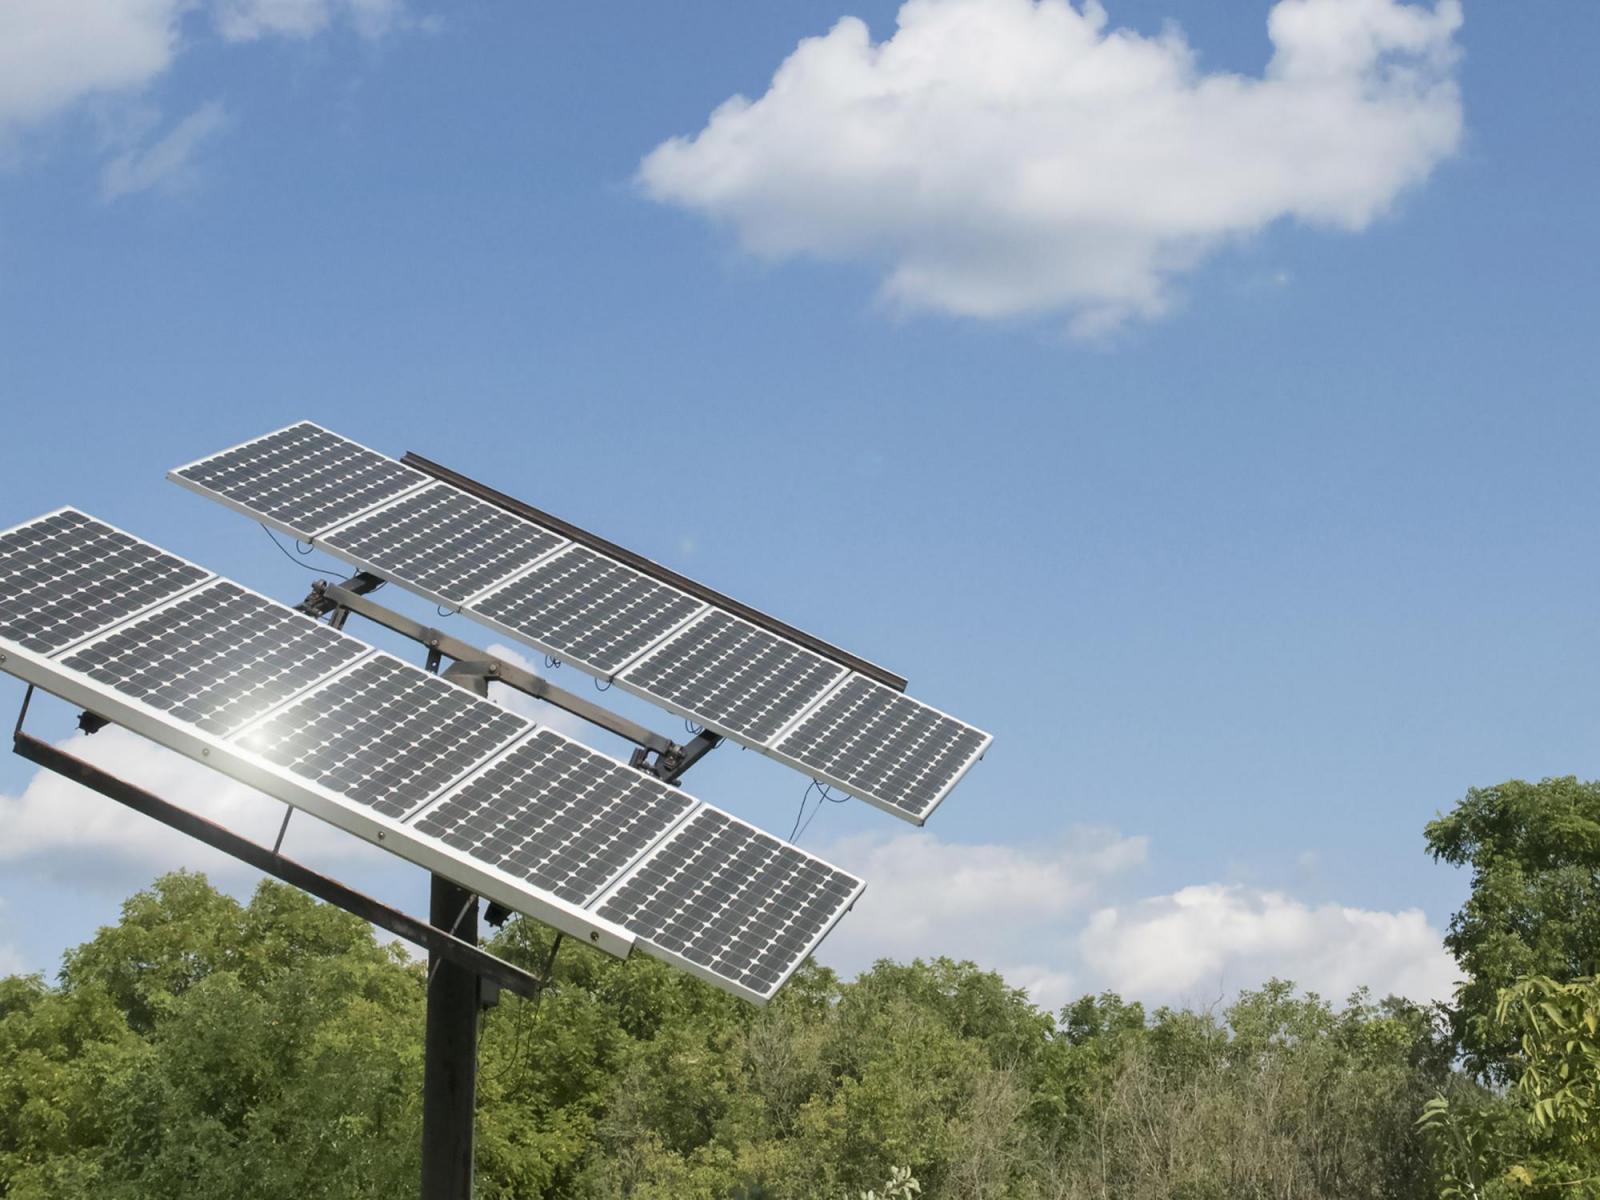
<point>450,1049</point>
<point>450,1054</point>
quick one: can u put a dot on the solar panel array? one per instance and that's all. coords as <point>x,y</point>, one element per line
<point>601,615</point>
<point>447,779</point>
<point>64,578</point>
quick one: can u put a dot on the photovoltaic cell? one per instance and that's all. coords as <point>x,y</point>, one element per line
<point>66,576</point>
<point>443,541</point>
<point>587,608</point>
<point>732,900</point>
<point>733,676</point>
<point>384,734</point>
<point>883,746</point>
<point>303,477</point>
<point>218,658</point>
<point>556,814</point>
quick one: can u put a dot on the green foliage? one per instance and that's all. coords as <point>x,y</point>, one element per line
<point>1534,908</point>
<point>204,1048</point>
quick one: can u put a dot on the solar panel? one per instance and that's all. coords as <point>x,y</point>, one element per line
<point>65,577</point>
<point>732,676</point>
<point>302,479</point>
<point>557,814</point>
<point>586,609</point>
<point>384,734</point>
<point>603,616</point>
<point>727,900</point>
<point>883,747</point>
<point>218,657</point>
<point>443,778</point>
<point>442,542</point>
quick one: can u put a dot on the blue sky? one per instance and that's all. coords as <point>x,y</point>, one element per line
<point>1256,527</point>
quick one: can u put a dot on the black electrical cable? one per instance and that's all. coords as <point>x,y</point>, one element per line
<point>295,559</point>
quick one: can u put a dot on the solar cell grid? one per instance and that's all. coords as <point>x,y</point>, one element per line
<point>218,657</point>
<point>304,478</point>
<point>733,676</point>
<point>67,576</point>
<point>384,734</point>
<point>883,746</point>
<point>587,608</point>
<point>443,541</point>
<point>556,814</point>
<point>732,900</point>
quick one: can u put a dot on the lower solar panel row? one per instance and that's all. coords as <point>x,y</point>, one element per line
<point>440,776</point>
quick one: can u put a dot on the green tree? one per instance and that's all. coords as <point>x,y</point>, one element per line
<point>1534,907</point>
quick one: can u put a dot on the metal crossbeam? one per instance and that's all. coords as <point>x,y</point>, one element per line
<point>470,662</point>
<point>655,570</point>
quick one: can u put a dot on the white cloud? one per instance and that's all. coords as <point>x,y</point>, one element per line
<point>1215,938</point>
<point>166,163</point>
<point>65,830</point>
<point>1046,917</point>
<point>55,52</point>
<point>1005,907</point>
<point>996,157</point>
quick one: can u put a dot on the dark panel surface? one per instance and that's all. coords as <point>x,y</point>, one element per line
<point>881,744</point>
<point>587,608</point>
<point>445,541</point>
<point>733,676</point>
<point>384,734</point>
<point>731,899</point>
<point>556,814</point>
<point>304,476</point>
<point>219,658</point>
<point>67,576</point>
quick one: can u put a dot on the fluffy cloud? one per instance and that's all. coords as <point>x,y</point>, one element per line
<point>1009,908</point>
<point>1210,940</point>
<point>61,829</point>
<point>54,52</point>
<point>1042,917</point>
<point>996,157</point>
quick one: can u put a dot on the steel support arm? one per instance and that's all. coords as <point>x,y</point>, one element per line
<point>327,597</point>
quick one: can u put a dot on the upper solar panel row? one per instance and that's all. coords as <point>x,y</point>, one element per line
<point>603,616</point>
<point>419,765</point>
